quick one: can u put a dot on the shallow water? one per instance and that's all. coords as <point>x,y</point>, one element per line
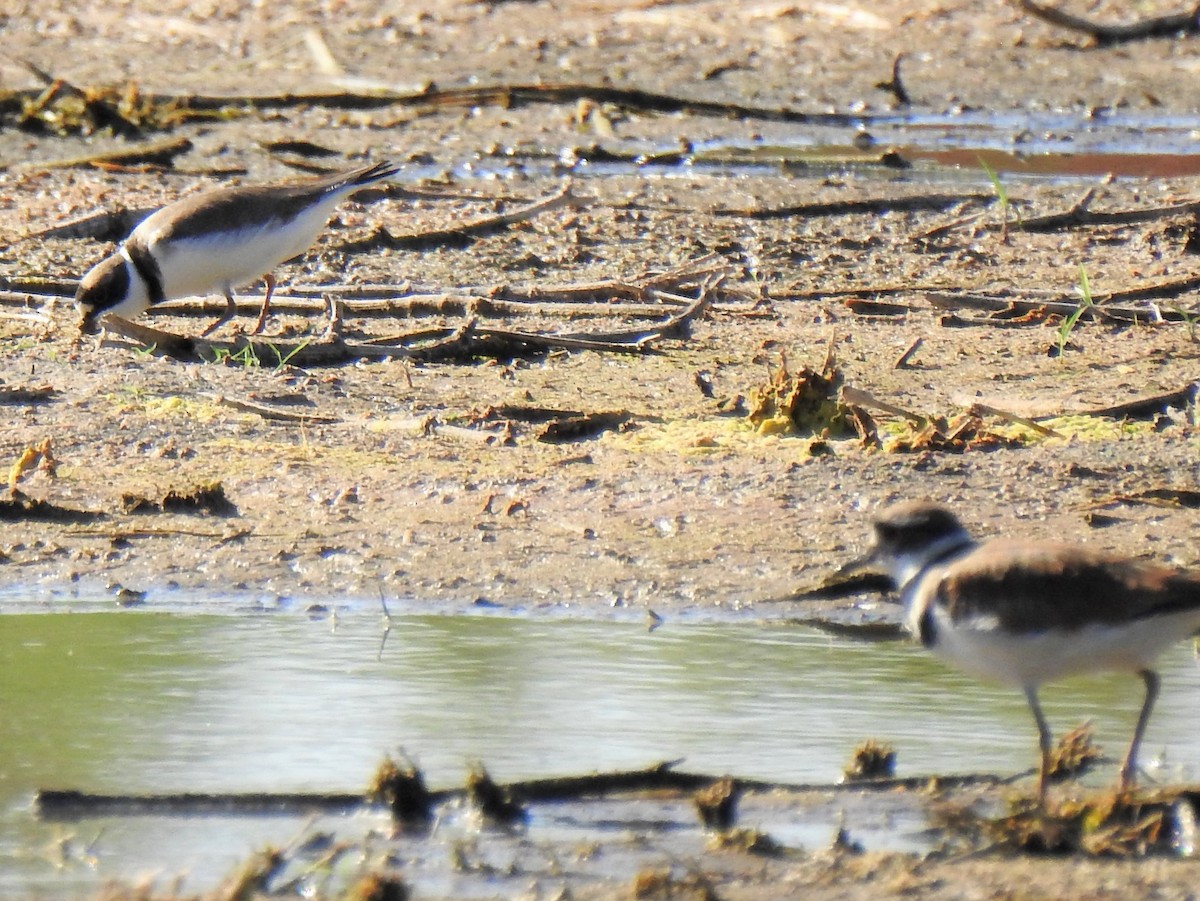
<point>1064,146</point>
<point>138,702</point>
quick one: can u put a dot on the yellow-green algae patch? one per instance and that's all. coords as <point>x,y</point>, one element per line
<point>803,403</point>
<point>165,407</point>
<point>1075,427</point>
<point>970,433</point>
<point>714,437</point>
<point>1092,428</point>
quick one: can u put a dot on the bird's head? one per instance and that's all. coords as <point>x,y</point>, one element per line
<point>104,287</point>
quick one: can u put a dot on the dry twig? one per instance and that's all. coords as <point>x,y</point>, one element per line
<point>461,234</point>
<point>863,206</point>
<point>267,412</point>
<point>1104,35</point>
<point>467,341</point>
<point>154,153</point>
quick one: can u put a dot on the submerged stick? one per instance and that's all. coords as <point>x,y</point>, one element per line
<point>71,805</point>
<point>52,804</point>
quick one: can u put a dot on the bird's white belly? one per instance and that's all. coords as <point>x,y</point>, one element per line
<point>225,260</point>
<point>1031,658</point>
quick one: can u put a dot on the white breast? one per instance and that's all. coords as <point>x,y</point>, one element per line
<point>985,650</point>
<point>224,260</point>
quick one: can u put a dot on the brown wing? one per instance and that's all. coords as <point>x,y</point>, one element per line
<point>1028,587</point>
<point>249,206</point>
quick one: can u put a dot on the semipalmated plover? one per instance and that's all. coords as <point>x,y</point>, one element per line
<point>1027,612</point>
<point>215,241</point>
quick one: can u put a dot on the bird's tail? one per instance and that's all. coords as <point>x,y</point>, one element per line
<point>357,178</point>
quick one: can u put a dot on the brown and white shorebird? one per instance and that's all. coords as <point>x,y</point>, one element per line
<point>1025,612</point>
<point>214,242</point>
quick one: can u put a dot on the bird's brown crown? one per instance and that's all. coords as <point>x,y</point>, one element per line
<point>912,525</point>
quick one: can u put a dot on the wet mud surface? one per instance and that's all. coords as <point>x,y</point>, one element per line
<point>432,484</point>
<point>593,838</point>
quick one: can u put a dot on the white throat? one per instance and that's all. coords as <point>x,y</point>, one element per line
<point>137,298</point>
<point>906,568</point>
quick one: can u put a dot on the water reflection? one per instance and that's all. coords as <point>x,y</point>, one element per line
<point>143,703</point>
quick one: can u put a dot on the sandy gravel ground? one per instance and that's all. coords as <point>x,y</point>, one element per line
<point>380,478</point>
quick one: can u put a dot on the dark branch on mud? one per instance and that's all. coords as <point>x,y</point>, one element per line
<point>18,395</point>
<point>869,205</point>
<point>20,507</point>
<point>460,235</point>
<point>1170,26</point>
<point>62,805</point>
<point>895,86</point>
<point>1142,407</point>
<point>272,413</point>
<point>169,110</point>
<point>595,300</point>
<point>465,342</point>
<point>1159,497</point>
<point>1080,215</point>
<point>154,153</point>
<point>509,96</point>
<point>1104,306</point>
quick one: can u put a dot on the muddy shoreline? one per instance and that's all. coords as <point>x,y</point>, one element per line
<point>407,480</point>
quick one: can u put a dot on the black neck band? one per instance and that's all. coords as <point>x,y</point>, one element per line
<point>147,268</point>
<point>948,553</point>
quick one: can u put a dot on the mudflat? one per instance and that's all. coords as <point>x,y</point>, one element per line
<point>534,474</point>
